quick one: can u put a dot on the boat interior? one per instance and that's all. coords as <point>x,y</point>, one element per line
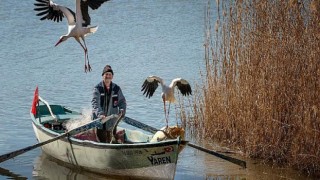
<point>56,119</point>
<point>64,115</point>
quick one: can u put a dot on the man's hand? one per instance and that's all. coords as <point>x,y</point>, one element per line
<point>121,112</point>
<point>102,117</point>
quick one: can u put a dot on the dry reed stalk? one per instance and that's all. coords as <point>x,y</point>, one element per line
<point>261,90</point>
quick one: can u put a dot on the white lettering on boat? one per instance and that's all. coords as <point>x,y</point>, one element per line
<point>160,160</point>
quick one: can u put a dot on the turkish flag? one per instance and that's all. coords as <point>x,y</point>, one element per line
<point>35,102</point>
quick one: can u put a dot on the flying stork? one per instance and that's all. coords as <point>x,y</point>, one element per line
<point>77,22</point>
<point>151,84</point>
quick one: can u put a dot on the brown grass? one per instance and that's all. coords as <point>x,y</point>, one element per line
<point>261,91</point>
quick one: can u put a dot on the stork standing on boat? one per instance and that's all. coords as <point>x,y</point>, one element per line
<point>151,84</point>
<point>77,22</point>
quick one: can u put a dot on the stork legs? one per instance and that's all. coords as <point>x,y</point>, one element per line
<point>87,67</point>
<point>166,115</point>
<point>165,112</point>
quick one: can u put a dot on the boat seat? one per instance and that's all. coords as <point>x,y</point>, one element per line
<point>59,117</point>
<point>56,109</point>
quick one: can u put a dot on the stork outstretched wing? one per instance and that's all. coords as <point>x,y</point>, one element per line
<point>183,85</point>
<point>52,11</point>
<point>150,85</point>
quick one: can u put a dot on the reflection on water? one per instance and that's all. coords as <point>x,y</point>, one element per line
<point>195,164</point>
<point>192,164</point>
<point>10,175</point>
<point>46,167</point>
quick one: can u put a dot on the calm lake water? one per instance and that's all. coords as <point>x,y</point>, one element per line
<point>137,38</point>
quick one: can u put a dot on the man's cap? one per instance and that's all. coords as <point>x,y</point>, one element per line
<point>107,68</point>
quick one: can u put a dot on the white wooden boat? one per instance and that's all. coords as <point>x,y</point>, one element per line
<point>135,156</point>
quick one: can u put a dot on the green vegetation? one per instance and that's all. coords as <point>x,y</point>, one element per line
<point>261,87</point>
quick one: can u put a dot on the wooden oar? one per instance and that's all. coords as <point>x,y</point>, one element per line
<point>114,128</point>
<point>11,175</point>
<point>150,129</point>
<point>95,123</point>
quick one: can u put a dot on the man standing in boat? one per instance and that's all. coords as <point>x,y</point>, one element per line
<point>107,99</point>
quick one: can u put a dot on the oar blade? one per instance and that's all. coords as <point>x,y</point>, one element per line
<point>228,158</point>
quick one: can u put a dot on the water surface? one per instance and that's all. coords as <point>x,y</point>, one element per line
<point>137,38</point>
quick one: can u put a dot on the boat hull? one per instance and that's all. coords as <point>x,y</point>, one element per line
<point>140,159</point>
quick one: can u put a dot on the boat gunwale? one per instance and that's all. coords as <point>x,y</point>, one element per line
<point>94,144</point>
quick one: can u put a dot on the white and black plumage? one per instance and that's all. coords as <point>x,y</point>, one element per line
<point>77,22</point>
<point>151,84</point>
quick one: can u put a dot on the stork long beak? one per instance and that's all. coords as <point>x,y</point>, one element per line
<point>60,40</point>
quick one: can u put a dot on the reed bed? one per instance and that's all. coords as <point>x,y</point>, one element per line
<point>261,87</point>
